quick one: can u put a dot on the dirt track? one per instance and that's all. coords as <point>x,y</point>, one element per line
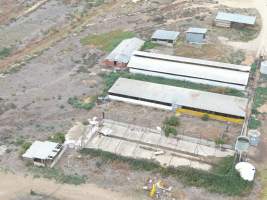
<point>258,45</point>
<point>16,186</point>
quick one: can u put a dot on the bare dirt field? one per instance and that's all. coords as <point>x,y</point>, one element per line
<point>34,94</point>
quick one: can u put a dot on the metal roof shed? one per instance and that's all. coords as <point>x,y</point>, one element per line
<point>120,56</point>
<point>193,70</point>
<point>165,96</point>
<point>196,35</point>
<point>224,19</point>
<point>165,37</point>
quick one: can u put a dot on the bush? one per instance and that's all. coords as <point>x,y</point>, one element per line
<point>254,123</point>
<point>76,103</point>
<point>4,52</point>
<point>169,130</point>
<point>148,45</point>
<point>25,146</point>
<point>172,121</point>
<point>205,117</point>
<point>219,141</point>
<point>222,179</point>
<point>57,137</point>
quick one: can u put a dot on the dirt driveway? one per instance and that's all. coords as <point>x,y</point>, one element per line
<point>258,45</point>
<point>16,186</point>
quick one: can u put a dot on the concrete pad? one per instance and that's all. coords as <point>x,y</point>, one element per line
<point>134,134</point>
<point>151,138</point>
<point>126,148</point>
<point>187,147</point>
<point>109,144</point>
<point>164,159</point>
<point>143,153</point>
<point>94,143</point>
<point>168,142</point>
<point>178,162</point>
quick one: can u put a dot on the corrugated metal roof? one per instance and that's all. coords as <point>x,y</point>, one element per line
<point>197,30</point>
<point>244,19</point>
<point>124,50</point>
<point>219,103</point>
<point>184,69</point>
<point>165,35</point>
<point>41,150</point>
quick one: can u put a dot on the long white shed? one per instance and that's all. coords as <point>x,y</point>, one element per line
<point>187,69</point>
<point>170,97</point>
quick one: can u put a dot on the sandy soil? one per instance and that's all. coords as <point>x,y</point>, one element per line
<point>16,186</point>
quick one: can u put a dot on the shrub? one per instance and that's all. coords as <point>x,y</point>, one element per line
<point>148,45</point>
<point>169,130</point>
<point>172,121</point>
<point>58,137</point>
<point>76,103</point>
<point>205,117</point>
<point>219,141</point>
<point>25,146</point>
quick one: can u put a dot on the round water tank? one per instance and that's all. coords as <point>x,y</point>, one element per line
<point>264,67</point>
<point>242,144</point>
<point>254,137</point>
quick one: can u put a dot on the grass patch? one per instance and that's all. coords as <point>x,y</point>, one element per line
<point>260,97</point>
<point>57,175</point>
<point>148,45</point>
<point>223,178</point>
<point>4,52</point>
<point>24,147</point>
<point>107,41</point>
<point>254,123</point>
<point>110,79</point>
<point>58,137</point>
<point>77,103</point>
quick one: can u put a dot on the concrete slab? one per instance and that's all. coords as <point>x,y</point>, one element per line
<point>151,138</point>
<point>168,142</point>
<point>143,153</point>
<point>126,148</point>
<point>94,143</point>
<point>109,144</point>
<point>134,134</point>
<point>178,162</point>
<point>164,159</point>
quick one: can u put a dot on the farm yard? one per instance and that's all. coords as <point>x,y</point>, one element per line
<point>52,76</point>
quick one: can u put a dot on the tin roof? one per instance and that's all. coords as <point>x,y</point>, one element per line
<point>165,35</point>
<point>208,101</point>
<point>124,50</point>
<point>41,150</point>
<point>194,70</point>
<point>197,30</point>
<point>244,19</point>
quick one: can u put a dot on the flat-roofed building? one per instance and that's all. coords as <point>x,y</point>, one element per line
<point>120,56</point>
<point>188,69</point>
<point>229,20</point>
<point>164,37</point>
<point>43,153</point>
<point>195,102</point>
<point>196,35</point>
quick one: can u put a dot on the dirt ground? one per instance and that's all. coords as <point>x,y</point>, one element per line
<point>34,95</point>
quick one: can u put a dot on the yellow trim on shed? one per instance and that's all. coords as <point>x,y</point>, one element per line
<point>211,116</point>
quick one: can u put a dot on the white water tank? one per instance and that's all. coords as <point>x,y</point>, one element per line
<point>254,137</point>
<point>246,170</point>
<point>264,67</point>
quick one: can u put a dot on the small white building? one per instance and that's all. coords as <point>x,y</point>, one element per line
<point>164,37</point>
<point>43,153</point>
<point>196,35</point>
